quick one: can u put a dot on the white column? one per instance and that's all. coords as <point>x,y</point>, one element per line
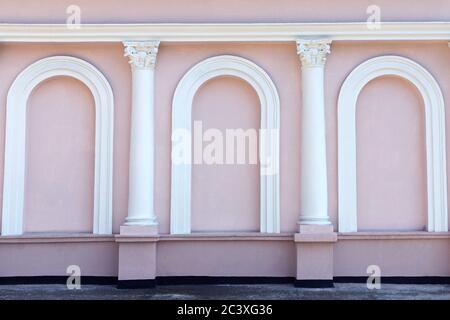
<point>314,193</point>
<point>142,57</point>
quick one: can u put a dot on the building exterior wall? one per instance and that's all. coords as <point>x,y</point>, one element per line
<point>225,239</point>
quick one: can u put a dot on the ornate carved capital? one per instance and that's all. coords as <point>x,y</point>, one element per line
<point>142,54</point>
<point>313,52</point>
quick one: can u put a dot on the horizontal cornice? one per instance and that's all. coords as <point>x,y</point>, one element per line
<point>225,32</point>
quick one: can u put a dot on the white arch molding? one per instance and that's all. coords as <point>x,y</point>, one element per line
<point>16,110</point>
<point>435,137</point>
<point>227,65</point>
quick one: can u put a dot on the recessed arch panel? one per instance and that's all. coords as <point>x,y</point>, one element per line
<point>434,128</point>
<point>227,65</point>
<point>16,110</point>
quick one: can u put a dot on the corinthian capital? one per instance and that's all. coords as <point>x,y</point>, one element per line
<point>313,52</point>
<point>142,54</point>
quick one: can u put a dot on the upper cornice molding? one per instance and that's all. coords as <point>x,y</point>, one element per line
<point>345,31</point>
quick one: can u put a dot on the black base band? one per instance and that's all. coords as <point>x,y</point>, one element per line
<point>396,280</point>
<point>204,280</point>
<point>314,283</point>
<point>56,280</point>
<point>136,284</point>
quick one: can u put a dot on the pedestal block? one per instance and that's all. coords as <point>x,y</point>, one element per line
<point>314,245</point>
<point>137,256</point>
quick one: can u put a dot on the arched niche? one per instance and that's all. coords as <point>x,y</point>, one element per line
<point>225,104</point>
<point>16,111</point>
<point>248,71</point>
<point>434,128</point>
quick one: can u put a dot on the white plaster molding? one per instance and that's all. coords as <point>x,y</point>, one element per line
<point>16,110</point>
<point>227,65</point>
<point>435,137</point>
<point>313,52</point>
<point>199,32</point>
<point>142,54</point>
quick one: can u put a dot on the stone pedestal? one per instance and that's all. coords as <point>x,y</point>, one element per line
<point>137,256</point>
<point>314,245</point>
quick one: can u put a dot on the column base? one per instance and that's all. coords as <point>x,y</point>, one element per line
<point>140,221</point>
<point>133,230</point>
<point>305,220</point>
<point>314,246</point>
<point>137,256</point>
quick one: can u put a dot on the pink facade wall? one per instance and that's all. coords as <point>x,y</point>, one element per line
<point>221,258</point>
<point>274,258</point>
<point>345,56</point>
<point>44,259</point>
<point>107,58</point>
<point>394,257</point>
<point>216,11</point>
<point>60,141</point>
<point>281,62</point>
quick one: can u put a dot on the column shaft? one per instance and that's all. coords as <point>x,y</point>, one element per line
<point>141,172</point>
<point>314,188</point>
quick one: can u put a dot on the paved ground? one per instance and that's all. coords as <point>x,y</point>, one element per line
<point>282,291</point>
